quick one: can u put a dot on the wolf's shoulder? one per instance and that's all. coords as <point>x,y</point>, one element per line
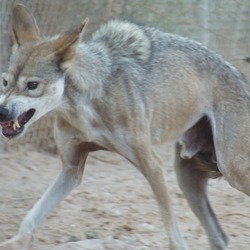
<point>124,39</point>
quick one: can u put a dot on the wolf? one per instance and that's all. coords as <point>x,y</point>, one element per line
<point>126,89</point>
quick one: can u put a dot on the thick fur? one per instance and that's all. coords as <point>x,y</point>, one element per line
<point>130,87</point>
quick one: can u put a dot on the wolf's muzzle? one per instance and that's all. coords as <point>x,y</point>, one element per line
<point>15,126</point>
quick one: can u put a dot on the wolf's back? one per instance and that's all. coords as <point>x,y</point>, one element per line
<point>150,46</point>
<point>124,39</point>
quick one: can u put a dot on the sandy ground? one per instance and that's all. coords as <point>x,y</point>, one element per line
<point>113,202</point>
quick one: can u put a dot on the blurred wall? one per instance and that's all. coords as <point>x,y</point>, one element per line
<point>221,25</point>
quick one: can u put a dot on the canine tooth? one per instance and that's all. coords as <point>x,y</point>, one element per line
<point>16,123</point>
<point>14,126</point>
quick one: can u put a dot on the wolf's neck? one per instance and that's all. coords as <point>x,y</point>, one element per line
<point>88,71</point>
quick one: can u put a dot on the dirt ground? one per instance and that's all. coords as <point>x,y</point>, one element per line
<point>113,202</point>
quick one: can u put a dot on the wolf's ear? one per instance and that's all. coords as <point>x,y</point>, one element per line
<point>64,46</point>
<point>24,25</point>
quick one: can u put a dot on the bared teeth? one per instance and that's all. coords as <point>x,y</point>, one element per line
<point>15,124</point>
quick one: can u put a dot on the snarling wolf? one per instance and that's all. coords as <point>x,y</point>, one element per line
<point>126,89</point>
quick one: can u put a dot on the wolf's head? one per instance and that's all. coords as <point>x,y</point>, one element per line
<point>34,82</point>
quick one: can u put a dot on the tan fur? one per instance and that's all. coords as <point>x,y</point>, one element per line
<point>64,46</point>
<point>24,25</point>
<point>126,89</point>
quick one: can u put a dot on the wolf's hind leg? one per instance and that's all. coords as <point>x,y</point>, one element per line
<point>193,184</point>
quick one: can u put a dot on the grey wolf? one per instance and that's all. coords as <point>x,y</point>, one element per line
<point>126,89</point>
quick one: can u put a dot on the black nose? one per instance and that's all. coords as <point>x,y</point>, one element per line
<point>3,114</point>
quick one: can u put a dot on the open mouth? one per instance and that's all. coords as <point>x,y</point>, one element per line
<point>15,127</point>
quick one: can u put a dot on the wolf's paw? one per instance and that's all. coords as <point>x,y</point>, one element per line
<point>17,243</point>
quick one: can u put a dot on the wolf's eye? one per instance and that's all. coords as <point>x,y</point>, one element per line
<point>32,85</point>
<point>5,83</point>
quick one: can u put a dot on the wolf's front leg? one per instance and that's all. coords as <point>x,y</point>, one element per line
<point>64,183</point>
<point>73,155</point>
<point>141,154</point>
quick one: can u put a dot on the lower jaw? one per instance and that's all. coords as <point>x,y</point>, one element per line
<point>12,135</point>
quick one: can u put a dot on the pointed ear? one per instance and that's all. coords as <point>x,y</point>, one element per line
<point>65,45</point>
<point>24,25</point>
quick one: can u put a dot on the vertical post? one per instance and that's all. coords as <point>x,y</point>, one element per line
<point>205,18</point>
